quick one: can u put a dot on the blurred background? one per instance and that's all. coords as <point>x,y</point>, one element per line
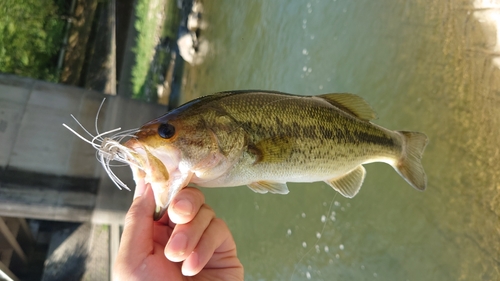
<point>428,66</point>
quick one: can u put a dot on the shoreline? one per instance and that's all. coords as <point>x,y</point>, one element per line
<point>106,61</point>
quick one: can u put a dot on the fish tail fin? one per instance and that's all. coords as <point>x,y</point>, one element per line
<point>409,166</point>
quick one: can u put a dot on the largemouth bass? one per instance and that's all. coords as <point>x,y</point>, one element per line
<point>266,139</point>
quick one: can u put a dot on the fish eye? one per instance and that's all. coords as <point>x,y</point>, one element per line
<point>166,130</point>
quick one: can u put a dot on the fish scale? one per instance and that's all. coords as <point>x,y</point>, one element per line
<point>321,126</point>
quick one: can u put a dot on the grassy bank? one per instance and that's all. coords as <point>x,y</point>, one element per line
<point>31,32</point>
<point>146,25</point>
<point>155,19</point>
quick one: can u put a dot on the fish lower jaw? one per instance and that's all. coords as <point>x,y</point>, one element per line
<point>165,191</point>
<point>160,190</point>
<point>162,196</point>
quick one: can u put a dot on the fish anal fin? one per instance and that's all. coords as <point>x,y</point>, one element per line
<point>352,104</point>
<point>349,184</point>
<point>266,186</point>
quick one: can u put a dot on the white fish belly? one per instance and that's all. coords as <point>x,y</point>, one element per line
<point>246,173</point>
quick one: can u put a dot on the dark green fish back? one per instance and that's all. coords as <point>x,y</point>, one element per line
<point>283,127</point>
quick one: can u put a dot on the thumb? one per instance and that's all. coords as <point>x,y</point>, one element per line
<point>138,228</point>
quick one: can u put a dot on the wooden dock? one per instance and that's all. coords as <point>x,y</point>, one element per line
<point>48,173</point>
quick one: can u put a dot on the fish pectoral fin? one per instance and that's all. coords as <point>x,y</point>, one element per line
<point>266,186</point>
<point>352,104</point>
<point>271,150</point>
<point>349,184</point>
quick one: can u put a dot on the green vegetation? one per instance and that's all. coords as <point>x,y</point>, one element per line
<point>146,25</point>
<point>150,29</point>
<point>30,38</point>
<point>171,23</point>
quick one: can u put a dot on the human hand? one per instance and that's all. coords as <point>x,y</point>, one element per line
<point>188,241</point>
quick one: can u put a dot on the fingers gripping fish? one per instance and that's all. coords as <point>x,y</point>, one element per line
<point>263,140</point>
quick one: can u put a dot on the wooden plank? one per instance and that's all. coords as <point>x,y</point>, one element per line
<point>13,100</point>
<point>114,244</point>
<point>4,230</point>
<point>13,225</point>
<point>6,274</point>
<point>45,203</point>
<point>44,212</point>
<point>6,256</point>
<point>26,230</point>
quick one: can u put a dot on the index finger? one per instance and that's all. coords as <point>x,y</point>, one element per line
<point>137,233</point>
<point>185,205</point>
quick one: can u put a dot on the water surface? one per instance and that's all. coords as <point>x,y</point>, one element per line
<point>429,66</point>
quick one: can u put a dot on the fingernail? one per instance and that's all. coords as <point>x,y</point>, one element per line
<point>183,207</point>
<point>137,194</point>
<point>178,243</point>
<point>140,188</point>
<point>190,265</point>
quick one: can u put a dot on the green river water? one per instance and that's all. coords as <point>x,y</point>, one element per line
<point>429,66</point>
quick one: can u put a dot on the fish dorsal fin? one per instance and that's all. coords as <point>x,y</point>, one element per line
<point>349,184</point>
<point>352,104</point>
<point>267,186</point>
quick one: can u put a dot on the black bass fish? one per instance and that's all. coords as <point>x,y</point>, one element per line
<point>265,139</point>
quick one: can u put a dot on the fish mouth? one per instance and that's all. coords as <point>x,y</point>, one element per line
<point>144,160</point>
<point>153,168</point>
